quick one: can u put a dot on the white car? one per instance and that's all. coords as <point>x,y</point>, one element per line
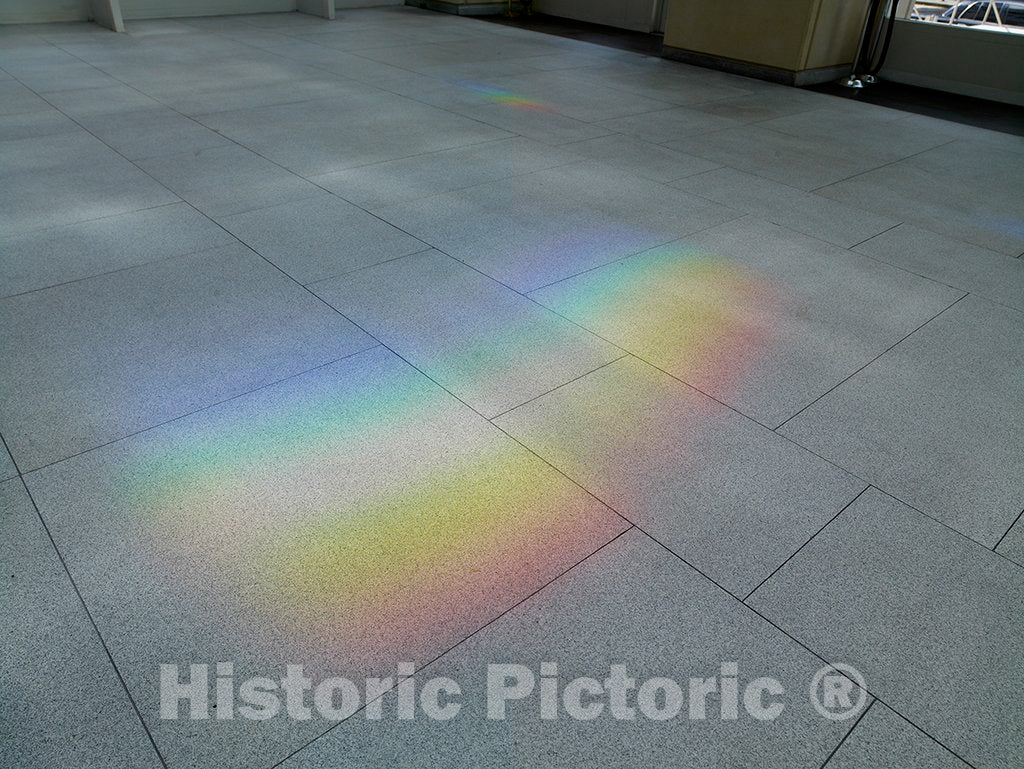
<point>1001,15</point>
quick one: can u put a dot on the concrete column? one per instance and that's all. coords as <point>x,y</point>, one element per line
<point>324,8</point>
<point>107,13</point>
<point>791,41</point>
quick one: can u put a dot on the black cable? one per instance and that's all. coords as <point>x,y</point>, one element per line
<point>862,55</point>
<point>891,7</point>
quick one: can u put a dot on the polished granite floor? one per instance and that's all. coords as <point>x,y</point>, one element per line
<point>411,338</point>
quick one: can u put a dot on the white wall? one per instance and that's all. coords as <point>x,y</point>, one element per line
<point>989,65</point>
<point>625,14</point>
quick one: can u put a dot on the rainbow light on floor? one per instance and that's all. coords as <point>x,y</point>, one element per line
<point>376,512</point>
<point>497,95</point>
<point>694,316</point>
<point>368,532</point>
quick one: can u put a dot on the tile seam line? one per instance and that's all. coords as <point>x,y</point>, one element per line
<point>1008,530</point>
<point>196,119</point>
<point>817,190</point>
<point>849,732</point>
<point>360,82</point>
<point>796,552</point>
<point>802,645</point>
<point>461,641</point>
<point>51,228</point>
<point>85,608</point>
<point>558,387</point>
<point>627,521</point>
<point>201,409</point>
<point>873,360</point>
<point>207,216</point>
<point>105,273</point>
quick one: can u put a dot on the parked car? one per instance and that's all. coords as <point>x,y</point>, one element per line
<point>1003,15</point>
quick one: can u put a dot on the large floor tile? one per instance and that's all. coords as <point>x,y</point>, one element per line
<point>561,93</point>
<point>517,115</point>
<point>995,276</point>
<point>491,347</point>
<point>964,189</point>
<point>87,102</point>
<point>630,604</point>
<point>805,162</point>
<point>433,173</point>
<point>801,211</point>
<point>932,620</point>
<point>669,124</point>
<point>532,230</point>
<point>641,158</point>
<point>345,520</point>
<point>47,257</point>
<point>863,128</point>
<point>320,237</point>
<point>883,740</point>
<point>323,136</point>
<point>91,361</point>
<point>70,177</point>
<point>668,81</point>
<point>228,180</point>
<point>16,99</point>
<point>794,315</point>
<point>25,125</point>
<point>7,468</point>
<point>730,497</point>
<point>63,702</point>
<point>148,133</point>
<point>936,420</point>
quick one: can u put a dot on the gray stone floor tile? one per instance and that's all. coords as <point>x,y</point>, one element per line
<point>26,125</point>
<point>990,274</point>
<point>491,347</point>
<point>63,703</point>
<point>863,129</point>
<point>801,211</point>
<point>16,99</point>
<point>323,136</point>
<point>346,520</point>
<point>669,124</point>
<point>883,740</point>
<point>759,317</point>
<point>936,420</point>
<point>533,121</point>
<point>641,158</point>
<point>97,359</point>
<point>727,495</point>
<point>562,93</point>
<point>805,162</point>
<point>433,173</point>
<point>229,180</point>
<point>47,257</point>
<point>70,177</point>
<point>151,132</point>
<point>655,78</point>
<point>968,192</point>
<point>931,620</point>
<point>86,102</point>
<point>7,468</point>
<point>47,77</point>
<point>767,103</point>
<point>320,237</point>
<point>630,604</point>
<point>532,230</point>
